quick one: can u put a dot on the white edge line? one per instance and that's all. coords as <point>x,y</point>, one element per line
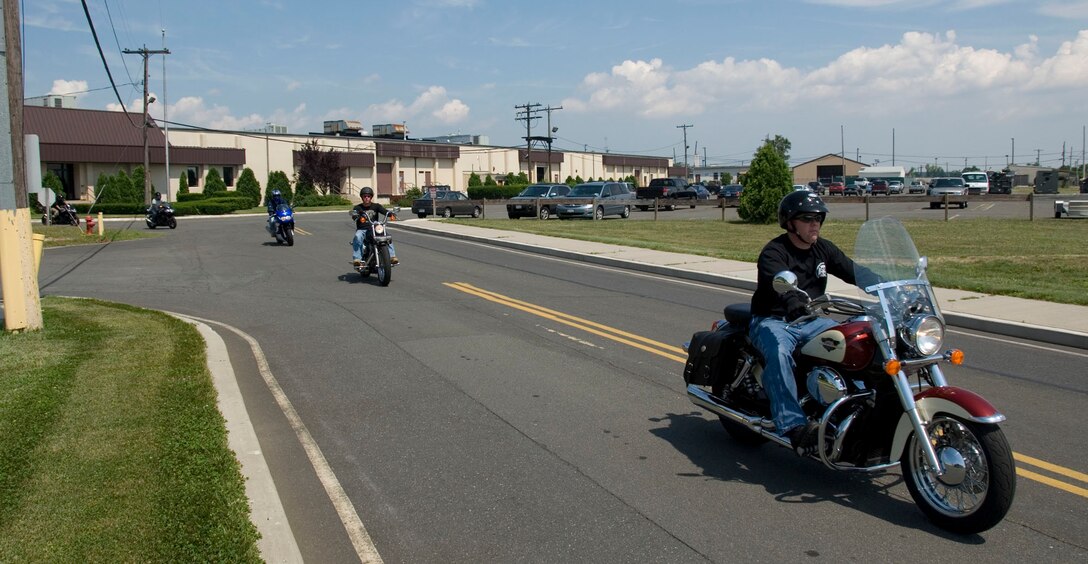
<point>360,539</point>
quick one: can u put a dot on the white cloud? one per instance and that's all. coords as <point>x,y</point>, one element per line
<point>920,69</point>
<point>69,87</point>
<point>434,101</point>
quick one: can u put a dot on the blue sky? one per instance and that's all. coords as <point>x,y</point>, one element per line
<point>920,81</point>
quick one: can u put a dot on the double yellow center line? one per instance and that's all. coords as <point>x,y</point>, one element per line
<point>676,353</point>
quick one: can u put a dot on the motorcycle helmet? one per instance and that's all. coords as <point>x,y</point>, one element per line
<point>366,191</point>
<point>275,192</point>
<point>798,202</point>
<point>158,195</point>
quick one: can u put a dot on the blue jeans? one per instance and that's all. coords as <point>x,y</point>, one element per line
<point>777,340</point>
<point>357,245</point>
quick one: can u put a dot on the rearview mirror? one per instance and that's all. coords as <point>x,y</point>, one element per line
<point>785,281</point>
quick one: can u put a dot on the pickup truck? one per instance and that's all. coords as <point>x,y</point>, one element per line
<point>666,189</point>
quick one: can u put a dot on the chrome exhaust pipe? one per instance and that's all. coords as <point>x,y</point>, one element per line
<point>714,404</point>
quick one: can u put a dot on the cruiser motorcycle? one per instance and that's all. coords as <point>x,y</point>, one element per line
<point>65,216</point>
<point>875,385</point>
<point>376,241</point>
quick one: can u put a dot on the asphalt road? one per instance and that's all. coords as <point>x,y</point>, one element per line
<point>467,424</point>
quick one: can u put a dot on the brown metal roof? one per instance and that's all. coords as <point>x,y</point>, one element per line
<point>99,136</point>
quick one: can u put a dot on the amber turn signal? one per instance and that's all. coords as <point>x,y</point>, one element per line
<point>892,367</point>
<point>955,356</point>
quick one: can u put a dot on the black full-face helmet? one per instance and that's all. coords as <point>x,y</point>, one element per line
<point>800,202</point>
<point>366,191</point>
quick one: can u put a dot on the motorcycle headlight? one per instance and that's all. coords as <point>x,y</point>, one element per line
<point>926,334</point>
<point>379,229</point>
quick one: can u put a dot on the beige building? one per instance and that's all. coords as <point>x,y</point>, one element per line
<point>80,145</point>
<point>825,169</point>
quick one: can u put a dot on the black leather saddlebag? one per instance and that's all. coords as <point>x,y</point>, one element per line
<point>704,355</point>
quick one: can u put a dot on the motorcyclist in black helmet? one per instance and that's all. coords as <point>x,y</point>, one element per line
<point>358,213</point>
<point>799,250</point>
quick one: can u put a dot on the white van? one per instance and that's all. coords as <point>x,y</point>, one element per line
<point>976,182</point>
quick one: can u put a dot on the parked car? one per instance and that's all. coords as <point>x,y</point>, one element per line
<point>947,187</point>
<point>916,187</point>
<point>524,204</point>
<point>609,198</point>
<point>817,187</point>
<point>664,188</point>
<point>879,187</point>
<point>446,203</point>
<point>977,182</point>
<point>895,187</point>
<point>730,194</point>
<point>837,189</point>
<point>713,186</point>
<point>701,192</point>
<point>797,187</point>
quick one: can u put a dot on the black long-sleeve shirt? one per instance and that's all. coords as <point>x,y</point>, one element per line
<point>360,209</point>
<point>811,266</point>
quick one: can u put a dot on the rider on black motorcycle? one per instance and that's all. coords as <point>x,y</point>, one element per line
<point>358,213</point>
<point>800,250</point>
<point>59,207</point>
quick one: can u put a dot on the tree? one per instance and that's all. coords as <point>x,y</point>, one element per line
<point>767,182</point>
<point>53,182</point>
<point>213,182</point>
<point>490,181</point>
<point>782,145</point>
<point>183,183</point>
<point>277,180</point>
<point>318,171</point>
<point>249,186</point>
<point>119,189</point>
<point>726,178</point>
<point>474,180</point>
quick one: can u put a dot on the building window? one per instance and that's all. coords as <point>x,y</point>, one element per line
<point>193,176</point>
<point>228,175</point>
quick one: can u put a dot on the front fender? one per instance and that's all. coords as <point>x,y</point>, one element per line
<point>950,400</point>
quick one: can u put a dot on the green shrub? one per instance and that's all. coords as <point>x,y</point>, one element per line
<point>315,200</point>
<point>249,186</point>
<point>118,208</point>
<point>205,207</point>
<point>405,201</point>
<point>277,180</point>
<point>213,182</point>
<point>183,183</point>
<point>495,192</point>
<point>190,196</point>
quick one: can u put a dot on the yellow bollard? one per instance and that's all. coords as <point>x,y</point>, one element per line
<point>101,226</point>
<point>39,246</point>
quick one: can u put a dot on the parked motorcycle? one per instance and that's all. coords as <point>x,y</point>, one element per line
<point>160,215</point>
<point>64,216</point>
<point>281,225</point>
<point>376,239</point>
<point>875,385</point>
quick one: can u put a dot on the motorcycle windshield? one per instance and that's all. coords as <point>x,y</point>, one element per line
<point>283,210</point>
<point>887,267</point>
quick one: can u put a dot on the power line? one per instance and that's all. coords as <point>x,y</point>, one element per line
<point>104,64</point>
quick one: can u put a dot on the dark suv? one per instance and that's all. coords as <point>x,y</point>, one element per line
<point>664,188</point>
<point>524,204</point>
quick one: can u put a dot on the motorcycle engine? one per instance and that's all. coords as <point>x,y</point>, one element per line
<point>826,385</point>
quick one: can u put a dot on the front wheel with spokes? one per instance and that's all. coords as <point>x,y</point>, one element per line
<point>979,483</point>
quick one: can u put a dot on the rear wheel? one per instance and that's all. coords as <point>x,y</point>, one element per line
<point>977,489</point>
<point>739,432</point>
<point>384,272</point>
<point>598,213</point>
<point>626,212</point>
<point>476,212</point>
<point>421,215</point>
<point>545,213</point>
<point>447,213</point>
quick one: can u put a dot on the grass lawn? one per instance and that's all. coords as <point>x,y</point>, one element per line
<point>62,235</point>
<point>112,447</point>
<point>1041,260</point>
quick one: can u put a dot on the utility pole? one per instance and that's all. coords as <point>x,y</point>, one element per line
<point>145,52</point>
<point>526,113</point>
<point>22,302</point>
<point>685,128</point>
<point>551,137</point>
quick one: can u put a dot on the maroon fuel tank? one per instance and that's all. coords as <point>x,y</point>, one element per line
<point>850,345</point>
